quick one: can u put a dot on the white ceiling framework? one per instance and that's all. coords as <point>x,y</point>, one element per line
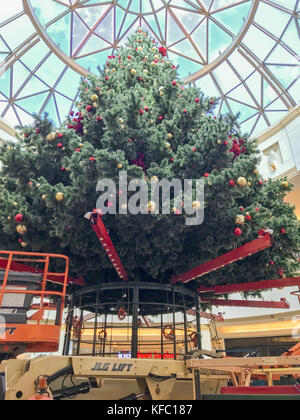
<point>244,52</point>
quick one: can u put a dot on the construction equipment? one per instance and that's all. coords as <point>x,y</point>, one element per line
<point>103,378</point>
<point>28,291</point>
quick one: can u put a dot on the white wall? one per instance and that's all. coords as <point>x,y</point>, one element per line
<point>285,149</point>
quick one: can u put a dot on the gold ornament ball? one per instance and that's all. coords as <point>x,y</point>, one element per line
<point>219,141</point>
<point>59,197</point>
<point>133,72</point>
<point>51,137</point>
<point>120,166</point>
<point>151,207</point>
<point>15,204</point>
<point>44,197</point>
<point>196,205</point>
<point>285,184</point>
<point>168,146</point>
<point>21,229</point>
<point>146,71</point>
<point>256,172</point>
<point>170,136</point>
<point>24,244</point>
<point>121,120</point>
<point>242,182</point>
<point>154,178</point>
<point>95,98</point>
<point>240,219</point>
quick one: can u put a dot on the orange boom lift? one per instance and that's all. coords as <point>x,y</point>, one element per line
<point>26,297</point>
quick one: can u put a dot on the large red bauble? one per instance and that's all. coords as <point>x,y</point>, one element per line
<point>238,232</point>
<point>18,218</point>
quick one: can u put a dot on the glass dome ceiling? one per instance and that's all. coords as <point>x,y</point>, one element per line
<point>244,52</point>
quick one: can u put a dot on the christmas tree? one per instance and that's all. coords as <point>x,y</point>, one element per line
<point>139,118</point>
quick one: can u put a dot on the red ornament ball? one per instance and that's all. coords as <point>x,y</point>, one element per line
<point>197,100</point>
<point>163,51</point>
<point>18,218</point>
<point>232,183</point>
<point>89,108</point>
<point>238,232</point>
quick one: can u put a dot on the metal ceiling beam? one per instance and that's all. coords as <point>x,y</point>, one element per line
<point>48,41</point>
<point>268,76</point>
<point>16,54</point>
<point>211,66</point>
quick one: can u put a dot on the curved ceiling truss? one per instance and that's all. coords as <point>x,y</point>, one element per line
<point>244,52</point>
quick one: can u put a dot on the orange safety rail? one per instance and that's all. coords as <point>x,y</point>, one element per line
<point>34,335</point>
<point>294,351</point>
